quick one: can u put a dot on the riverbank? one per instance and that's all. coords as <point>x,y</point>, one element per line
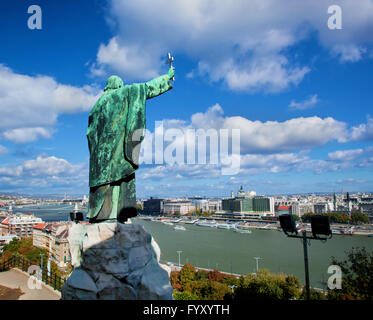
<point>337,229</point>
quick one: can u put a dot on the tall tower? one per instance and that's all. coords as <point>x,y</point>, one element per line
<point>348,203</point>
<point>334,202</point>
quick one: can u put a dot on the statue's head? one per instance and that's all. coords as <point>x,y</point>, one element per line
<point>114,82</point>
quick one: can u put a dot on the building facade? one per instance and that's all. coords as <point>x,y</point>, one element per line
<point>153,206</point>
<point>4,227</point>
<point>60,252</point>
<point>20,225</point>
<point>40,237</point>
<point>54,238</point>
<point>249,203</point>
<point>177,207</point>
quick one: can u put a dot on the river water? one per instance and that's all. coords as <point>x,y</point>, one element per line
<point>234,252</point>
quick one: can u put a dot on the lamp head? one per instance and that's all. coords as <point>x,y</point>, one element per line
<point>320,226</point>
<point>287,223</point>
<point>76,216</point>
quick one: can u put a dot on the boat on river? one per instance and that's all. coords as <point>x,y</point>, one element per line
<point>225,225</point>
<point>179,228</point>
<point>242,230</point>
<point>168,223</point>
<point>206,223</point>
<point>189,221</point>
<point>343,231</point>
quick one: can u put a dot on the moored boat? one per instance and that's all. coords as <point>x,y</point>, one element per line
<point>205,223</point>
<point>343,231</point>
<point>180,228</point>
<point>189,221</point>
<point>168,223</point>
<point>242,230</point>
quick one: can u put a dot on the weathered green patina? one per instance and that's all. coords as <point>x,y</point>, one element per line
<point>114,158</point>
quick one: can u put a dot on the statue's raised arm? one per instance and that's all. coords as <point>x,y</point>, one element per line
<point>160,84</point>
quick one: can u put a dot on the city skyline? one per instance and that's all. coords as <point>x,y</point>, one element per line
<point>299,92</point>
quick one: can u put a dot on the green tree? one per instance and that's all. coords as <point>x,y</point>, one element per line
<point>334,217</point>
<point>208,290</point>
<point>357,276</point>
<point>215,275</point>
<point>6,255</point>
<point>34,255</point>
<point>23,247</point>
<point>266,286</point>
<point>230,280</point>
<point>13,245</point>
<point>201,275</point>
<point>175,280</point>
<point>185,295</point>
<point>187,274</point>
<point>359,217</point>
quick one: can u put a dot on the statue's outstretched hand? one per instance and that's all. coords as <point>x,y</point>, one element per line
<point>171,73</point>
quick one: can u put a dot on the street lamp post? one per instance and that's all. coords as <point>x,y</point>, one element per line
<point>257,263</point>
<point>319,226</point>
<point>306,270</point>
<point>179,252</point>
<point>41,255</point>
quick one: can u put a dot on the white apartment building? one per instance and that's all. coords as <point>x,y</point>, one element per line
<point>21,224</point>
<point>178,207</point>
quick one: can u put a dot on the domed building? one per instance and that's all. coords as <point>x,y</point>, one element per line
<point>249,204</point>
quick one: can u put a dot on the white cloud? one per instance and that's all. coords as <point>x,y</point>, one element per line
<point>31,104</point>
<point>321,166</point>
<point>292,134</point>
<point>363,132</point>
<point>178,171</point>
<point>266,147</point>
<point>23,135</point>
<point>130,61</point>
<point>345,155</point>
<point>351,181</point>
<point>11,171</point>
<point>306,104</point>
<point>44,171</point>
<point>349,53</point>
<point>42,166</point>
<point>242,43</point>
<point>273,136</point>
<point>212,118</point>
<point>270,146</point>
<point>271,74</point>
<point>50,166</point>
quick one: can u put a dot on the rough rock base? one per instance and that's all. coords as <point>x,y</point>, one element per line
<point>115,261</point>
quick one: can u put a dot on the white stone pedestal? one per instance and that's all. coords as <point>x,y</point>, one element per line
<point>115,261</point>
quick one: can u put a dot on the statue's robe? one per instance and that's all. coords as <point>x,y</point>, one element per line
<point>114,155</point>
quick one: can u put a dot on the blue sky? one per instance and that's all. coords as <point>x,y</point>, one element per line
<point>300,93</point>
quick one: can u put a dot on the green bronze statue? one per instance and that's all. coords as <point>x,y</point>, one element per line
<point>113,120</point>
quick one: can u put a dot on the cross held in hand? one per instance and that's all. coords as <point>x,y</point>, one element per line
<point>169,61</point>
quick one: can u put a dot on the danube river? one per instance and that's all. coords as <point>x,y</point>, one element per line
<point>234,252</point>
<point>49,212</point>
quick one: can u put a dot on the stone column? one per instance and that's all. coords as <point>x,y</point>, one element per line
<point>115,261</point>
